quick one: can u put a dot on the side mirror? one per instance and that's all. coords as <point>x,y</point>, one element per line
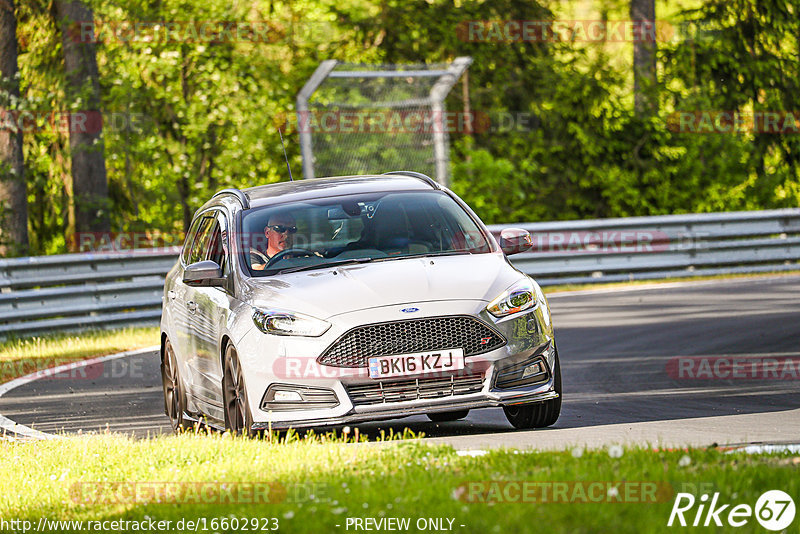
<point>515,240</point>
<point>203,274</point>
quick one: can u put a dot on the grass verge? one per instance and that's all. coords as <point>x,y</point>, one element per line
<point>578,287</point>
<point>22,356</point>
<point>315,484</point>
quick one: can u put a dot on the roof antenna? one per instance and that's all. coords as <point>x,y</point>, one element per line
<point>285,156</point>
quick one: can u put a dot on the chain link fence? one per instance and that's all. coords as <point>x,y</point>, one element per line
<point>364,119</point>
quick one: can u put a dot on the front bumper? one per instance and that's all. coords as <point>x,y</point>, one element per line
<point>405,409</point>
<point>529,336</point>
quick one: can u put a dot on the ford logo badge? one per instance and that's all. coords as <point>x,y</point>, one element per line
<point>409,310</point>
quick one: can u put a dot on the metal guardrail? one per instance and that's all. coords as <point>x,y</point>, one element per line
<point>648,248</point>
<point>77,291</point>
<point>45,294</point>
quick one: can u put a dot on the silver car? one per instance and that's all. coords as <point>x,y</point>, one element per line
<point>338,300</point>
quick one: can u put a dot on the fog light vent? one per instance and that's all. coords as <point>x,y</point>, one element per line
<point>281,395</point>
<point>532,371</point>
<point>294,397</point>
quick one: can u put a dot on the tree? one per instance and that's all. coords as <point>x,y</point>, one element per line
<point>189,114</point>
<point>89,181</point>
<point>741,59</point>
<point>643,15</point>
<point>13,198</point>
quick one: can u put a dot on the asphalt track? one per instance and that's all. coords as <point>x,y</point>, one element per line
<point>616,347</point>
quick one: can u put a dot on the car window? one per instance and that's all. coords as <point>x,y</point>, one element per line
<point>218,244</point>
<point>200,244</point>
<point>190,235</point>
<point>375,226</point>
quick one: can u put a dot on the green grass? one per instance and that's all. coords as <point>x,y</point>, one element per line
<point>318,482</point>
<point>21,356</point>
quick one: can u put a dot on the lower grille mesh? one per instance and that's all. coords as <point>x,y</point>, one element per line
<point>413,389</point>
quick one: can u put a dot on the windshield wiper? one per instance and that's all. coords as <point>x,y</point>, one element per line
<point>450,253</point>
<point>440,253</point>
<point>323,265</point>
<point>353,261</point>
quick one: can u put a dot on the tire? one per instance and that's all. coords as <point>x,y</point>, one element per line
<point>238,419</point>
<point>540,414</point>
<point>174,394</point>
<point>443,417</point>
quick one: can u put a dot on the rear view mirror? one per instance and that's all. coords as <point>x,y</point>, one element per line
<point>515,240</point>
<point>336,214</point>
<point>203,274</point>
<point>347,210</point>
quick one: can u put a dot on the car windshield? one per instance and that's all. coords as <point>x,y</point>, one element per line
<point>356,228</point>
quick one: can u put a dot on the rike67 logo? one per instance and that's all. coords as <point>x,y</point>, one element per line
<point>774,510</point>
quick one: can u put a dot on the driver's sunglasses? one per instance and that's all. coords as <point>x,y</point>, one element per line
<point>282,229</point>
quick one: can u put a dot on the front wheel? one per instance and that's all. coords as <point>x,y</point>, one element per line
<point>237,412</point>
<point>540,414</point>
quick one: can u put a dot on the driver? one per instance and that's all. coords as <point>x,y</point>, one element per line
<point>279,231</point>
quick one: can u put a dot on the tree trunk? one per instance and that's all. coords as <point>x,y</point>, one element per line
<point>89,180</point>
<point>13,197</point>
<point>643,15</point>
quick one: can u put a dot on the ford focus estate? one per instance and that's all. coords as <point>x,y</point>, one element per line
<point>339,300</point>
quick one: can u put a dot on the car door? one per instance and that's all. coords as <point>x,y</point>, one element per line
<point>211,310</point>
<point>178,293</point>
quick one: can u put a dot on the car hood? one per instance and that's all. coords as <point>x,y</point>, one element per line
<point>327,292</point>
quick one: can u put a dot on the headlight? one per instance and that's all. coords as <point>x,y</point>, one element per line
<point>284,323</point>
<point>522,296</point>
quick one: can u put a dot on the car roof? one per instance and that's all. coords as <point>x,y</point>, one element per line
<point>314,188</point>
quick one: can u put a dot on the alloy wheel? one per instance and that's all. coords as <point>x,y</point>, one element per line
<point>237,415</point>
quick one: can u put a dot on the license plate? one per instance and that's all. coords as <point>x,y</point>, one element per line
<point>420,363</point>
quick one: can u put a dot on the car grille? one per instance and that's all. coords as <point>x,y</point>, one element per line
<point>419,388</point>
<point>415,335</point>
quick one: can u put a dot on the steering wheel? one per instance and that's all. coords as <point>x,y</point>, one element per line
<point>288,252</point>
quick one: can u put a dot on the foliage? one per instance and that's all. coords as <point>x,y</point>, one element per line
<point>185,117</point>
